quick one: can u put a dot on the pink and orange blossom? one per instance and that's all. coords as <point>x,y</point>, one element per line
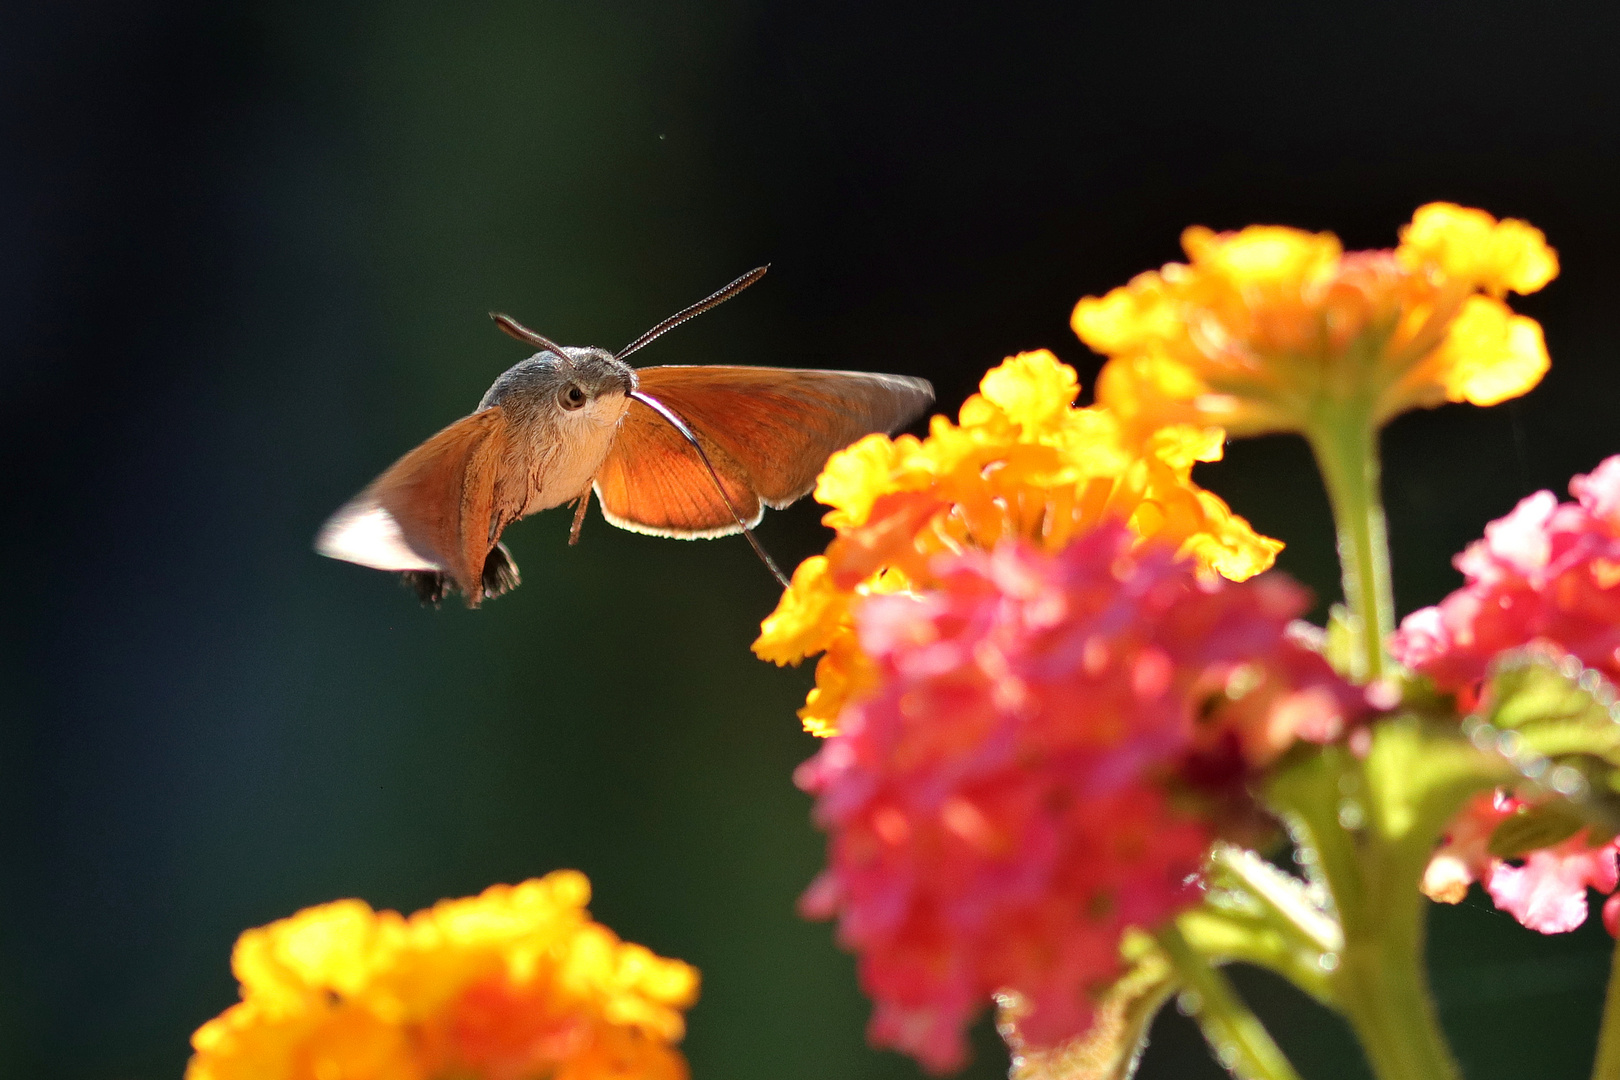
<point>1545,890</point>
<point>1042,759</point>
<point>1549,573</point>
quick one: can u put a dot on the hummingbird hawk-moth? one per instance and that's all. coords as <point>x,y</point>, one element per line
<point>684,451</point>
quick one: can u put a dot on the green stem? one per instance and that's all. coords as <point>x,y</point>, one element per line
<point>1607,1065</point>
<point>1381,984</point>
<point>1398,797</point>
<point>1384,993</point>
<point>1235,1035</point>
<point>1345,442</point>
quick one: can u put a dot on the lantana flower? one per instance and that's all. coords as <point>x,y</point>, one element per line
<point>1267,328</point>
<point>1045,752</point>
<point>1545,889</point>
<point>1547,573</point>
<point>515,983</point>
<point>1022,463</point>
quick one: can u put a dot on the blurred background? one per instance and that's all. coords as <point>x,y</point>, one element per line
<point>246,252</point>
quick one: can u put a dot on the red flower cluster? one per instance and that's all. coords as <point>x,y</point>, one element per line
<point>1025,780</point>
<point>1548,571</point>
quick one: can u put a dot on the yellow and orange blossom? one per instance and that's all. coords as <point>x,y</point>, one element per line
<point>1276,329</point>
<point>513,984</point>
<point>1022,461</point>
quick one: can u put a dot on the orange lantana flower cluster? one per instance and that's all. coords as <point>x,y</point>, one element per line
<point>515,983</point>
<point>1021,463</point>
<point>1268,328</point>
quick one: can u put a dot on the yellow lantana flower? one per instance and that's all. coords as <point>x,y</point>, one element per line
<point>1470,245</point>
<point>515,983</point>
<point>1022,461</point>
<point>1272,329</point>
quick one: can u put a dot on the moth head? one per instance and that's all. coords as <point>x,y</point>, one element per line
<point>569,381</point>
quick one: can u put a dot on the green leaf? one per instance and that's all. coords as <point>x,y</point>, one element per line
<point>1255,912</point>
<point>1533,828</point>
<point>1558,724</point>
<point>1535,686</point>
<point>1415,775</point>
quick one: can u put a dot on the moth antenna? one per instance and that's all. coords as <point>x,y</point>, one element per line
<point>679,425</point>
<point>513,328</point>
<point>712,300</point>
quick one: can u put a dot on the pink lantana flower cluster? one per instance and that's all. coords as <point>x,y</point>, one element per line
<point>1548,573</point>
<point>1545,891</point>
<point>1051,745</point>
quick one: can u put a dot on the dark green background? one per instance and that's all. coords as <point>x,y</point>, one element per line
<point>245,254</point>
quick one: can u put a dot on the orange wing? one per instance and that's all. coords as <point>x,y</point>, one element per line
<point>433,510</point>
<point>768,432</point>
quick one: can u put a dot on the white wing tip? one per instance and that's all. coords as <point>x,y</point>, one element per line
<point>363,532</point>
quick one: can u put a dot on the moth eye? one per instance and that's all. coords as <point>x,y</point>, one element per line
<point>572,397</point>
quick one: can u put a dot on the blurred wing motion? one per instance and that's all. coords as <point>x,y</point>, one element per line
<point>433,514</point>
<point>767,431</point>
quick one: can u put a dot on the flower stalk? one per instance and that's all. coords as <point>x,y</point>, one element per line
<point>1383,990</point>
<point>1607,1065</point>
<point>1345,442</point>
<point>1365,826</point>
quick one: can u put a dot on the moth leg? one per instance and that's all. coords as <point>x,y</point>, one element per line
<point>581,504</point>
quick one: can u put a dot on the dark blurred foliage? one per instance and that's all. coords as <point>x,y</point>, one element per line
<point>245,255</point>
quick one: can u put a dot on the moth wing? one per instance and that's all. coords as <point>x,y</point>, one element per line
<point>435,509</point>
<point>768,431</point>
<point>652,481</point>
